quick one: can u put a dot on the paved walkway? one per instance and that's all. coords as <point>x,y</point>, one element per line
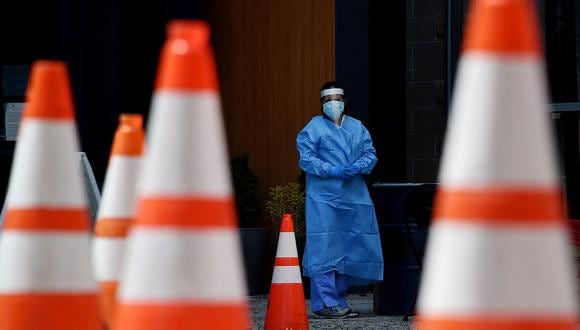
<point>360,302</point>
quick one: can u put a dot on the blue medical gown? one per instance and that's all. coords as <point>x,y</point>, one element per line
<point>341,225</point>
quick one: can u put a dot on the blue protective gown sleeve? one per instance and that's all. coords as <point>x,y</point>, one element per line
<point>309,160</point>
<point>368,159</point>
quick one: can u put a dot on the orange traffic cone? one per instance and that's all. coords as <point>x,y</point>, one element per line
<point>183,265</point>
<point>497,254</point>
<point>286,306</point>
<point>46,279</point>
<point>117,209</point>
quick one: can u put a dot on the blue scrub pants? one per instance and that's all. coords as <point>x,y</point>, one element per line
<point>328,290</point>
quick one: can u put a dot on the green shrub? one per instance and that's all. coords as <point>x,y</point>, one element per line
<point>289,198</point>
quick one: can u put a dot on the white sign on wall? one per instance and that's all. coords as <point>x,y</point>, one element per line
<point>12,115</point>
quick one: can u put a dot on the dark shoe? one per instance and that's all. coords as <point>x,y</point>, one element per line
<point>351,314</point>
<point>331,313</point>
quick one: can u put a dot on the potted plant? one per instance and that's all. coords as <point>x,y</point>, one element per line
<point>257,242</point>
<point>290,198</point>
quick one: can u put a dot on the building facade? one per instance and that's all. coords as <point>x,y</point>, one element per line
<point>396,58</point>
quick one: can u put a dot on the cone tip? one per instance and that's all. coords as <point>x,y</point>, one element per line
<point>129,138</point>
<point>49,95</point>
<point>131,120</point>
<point>187,62</point>
<point>503,27</point>
<point>49,66</point>
<point>287,225</point>
<point>195,32</point>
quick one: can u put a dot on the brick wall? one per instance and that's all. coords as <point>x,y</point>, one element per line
<point>426,102</point>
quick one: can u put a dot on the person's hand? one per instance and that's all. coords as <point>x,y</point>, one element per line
<point>340,172</point>
<point>335,171</point>
<point>351,170</point>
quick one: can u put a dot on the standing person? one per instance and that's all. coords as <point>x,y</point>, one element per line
<point>343,246</point>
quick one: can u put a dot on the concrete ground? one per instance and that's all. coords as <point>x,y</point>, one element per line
<point>359,302</point>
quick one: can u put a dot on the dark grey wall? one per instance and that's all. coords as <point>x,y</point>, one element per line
<point>426,108</point>
<point>352,54</point>
<point>392,58</point>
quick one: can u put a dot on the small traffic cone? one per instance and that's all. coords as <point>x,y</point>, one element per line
<point>286,306</point>
<point>46,279</point>
<point>183,266</point>
<point>498,254</point>
<point>117,209</point>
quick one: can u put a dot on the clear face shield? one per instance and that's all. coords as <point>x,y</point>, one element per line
<point>333,103</point>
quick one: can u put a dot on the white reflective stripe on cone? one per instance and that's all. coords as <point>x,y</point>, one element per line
<point>157,271</point>
<point>186,128</point>
<point>286,245</point>
<point>45,262</point>
<point>49,147</point>
<point>286,274</point>
<point>119,190</point>
<point>486,131</point>
<point>108,256</point>
<point>515,271</point>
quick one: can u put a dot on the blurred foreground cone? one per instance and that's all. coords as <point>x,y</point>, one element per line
<point>183,266</point>
<point>117,209</point>
<point>46,280</point>
<point>286,305</point>
<point>498,250</point>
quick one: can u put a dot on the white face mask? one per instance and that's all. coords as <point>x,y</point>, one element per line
<point>333,109</point>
